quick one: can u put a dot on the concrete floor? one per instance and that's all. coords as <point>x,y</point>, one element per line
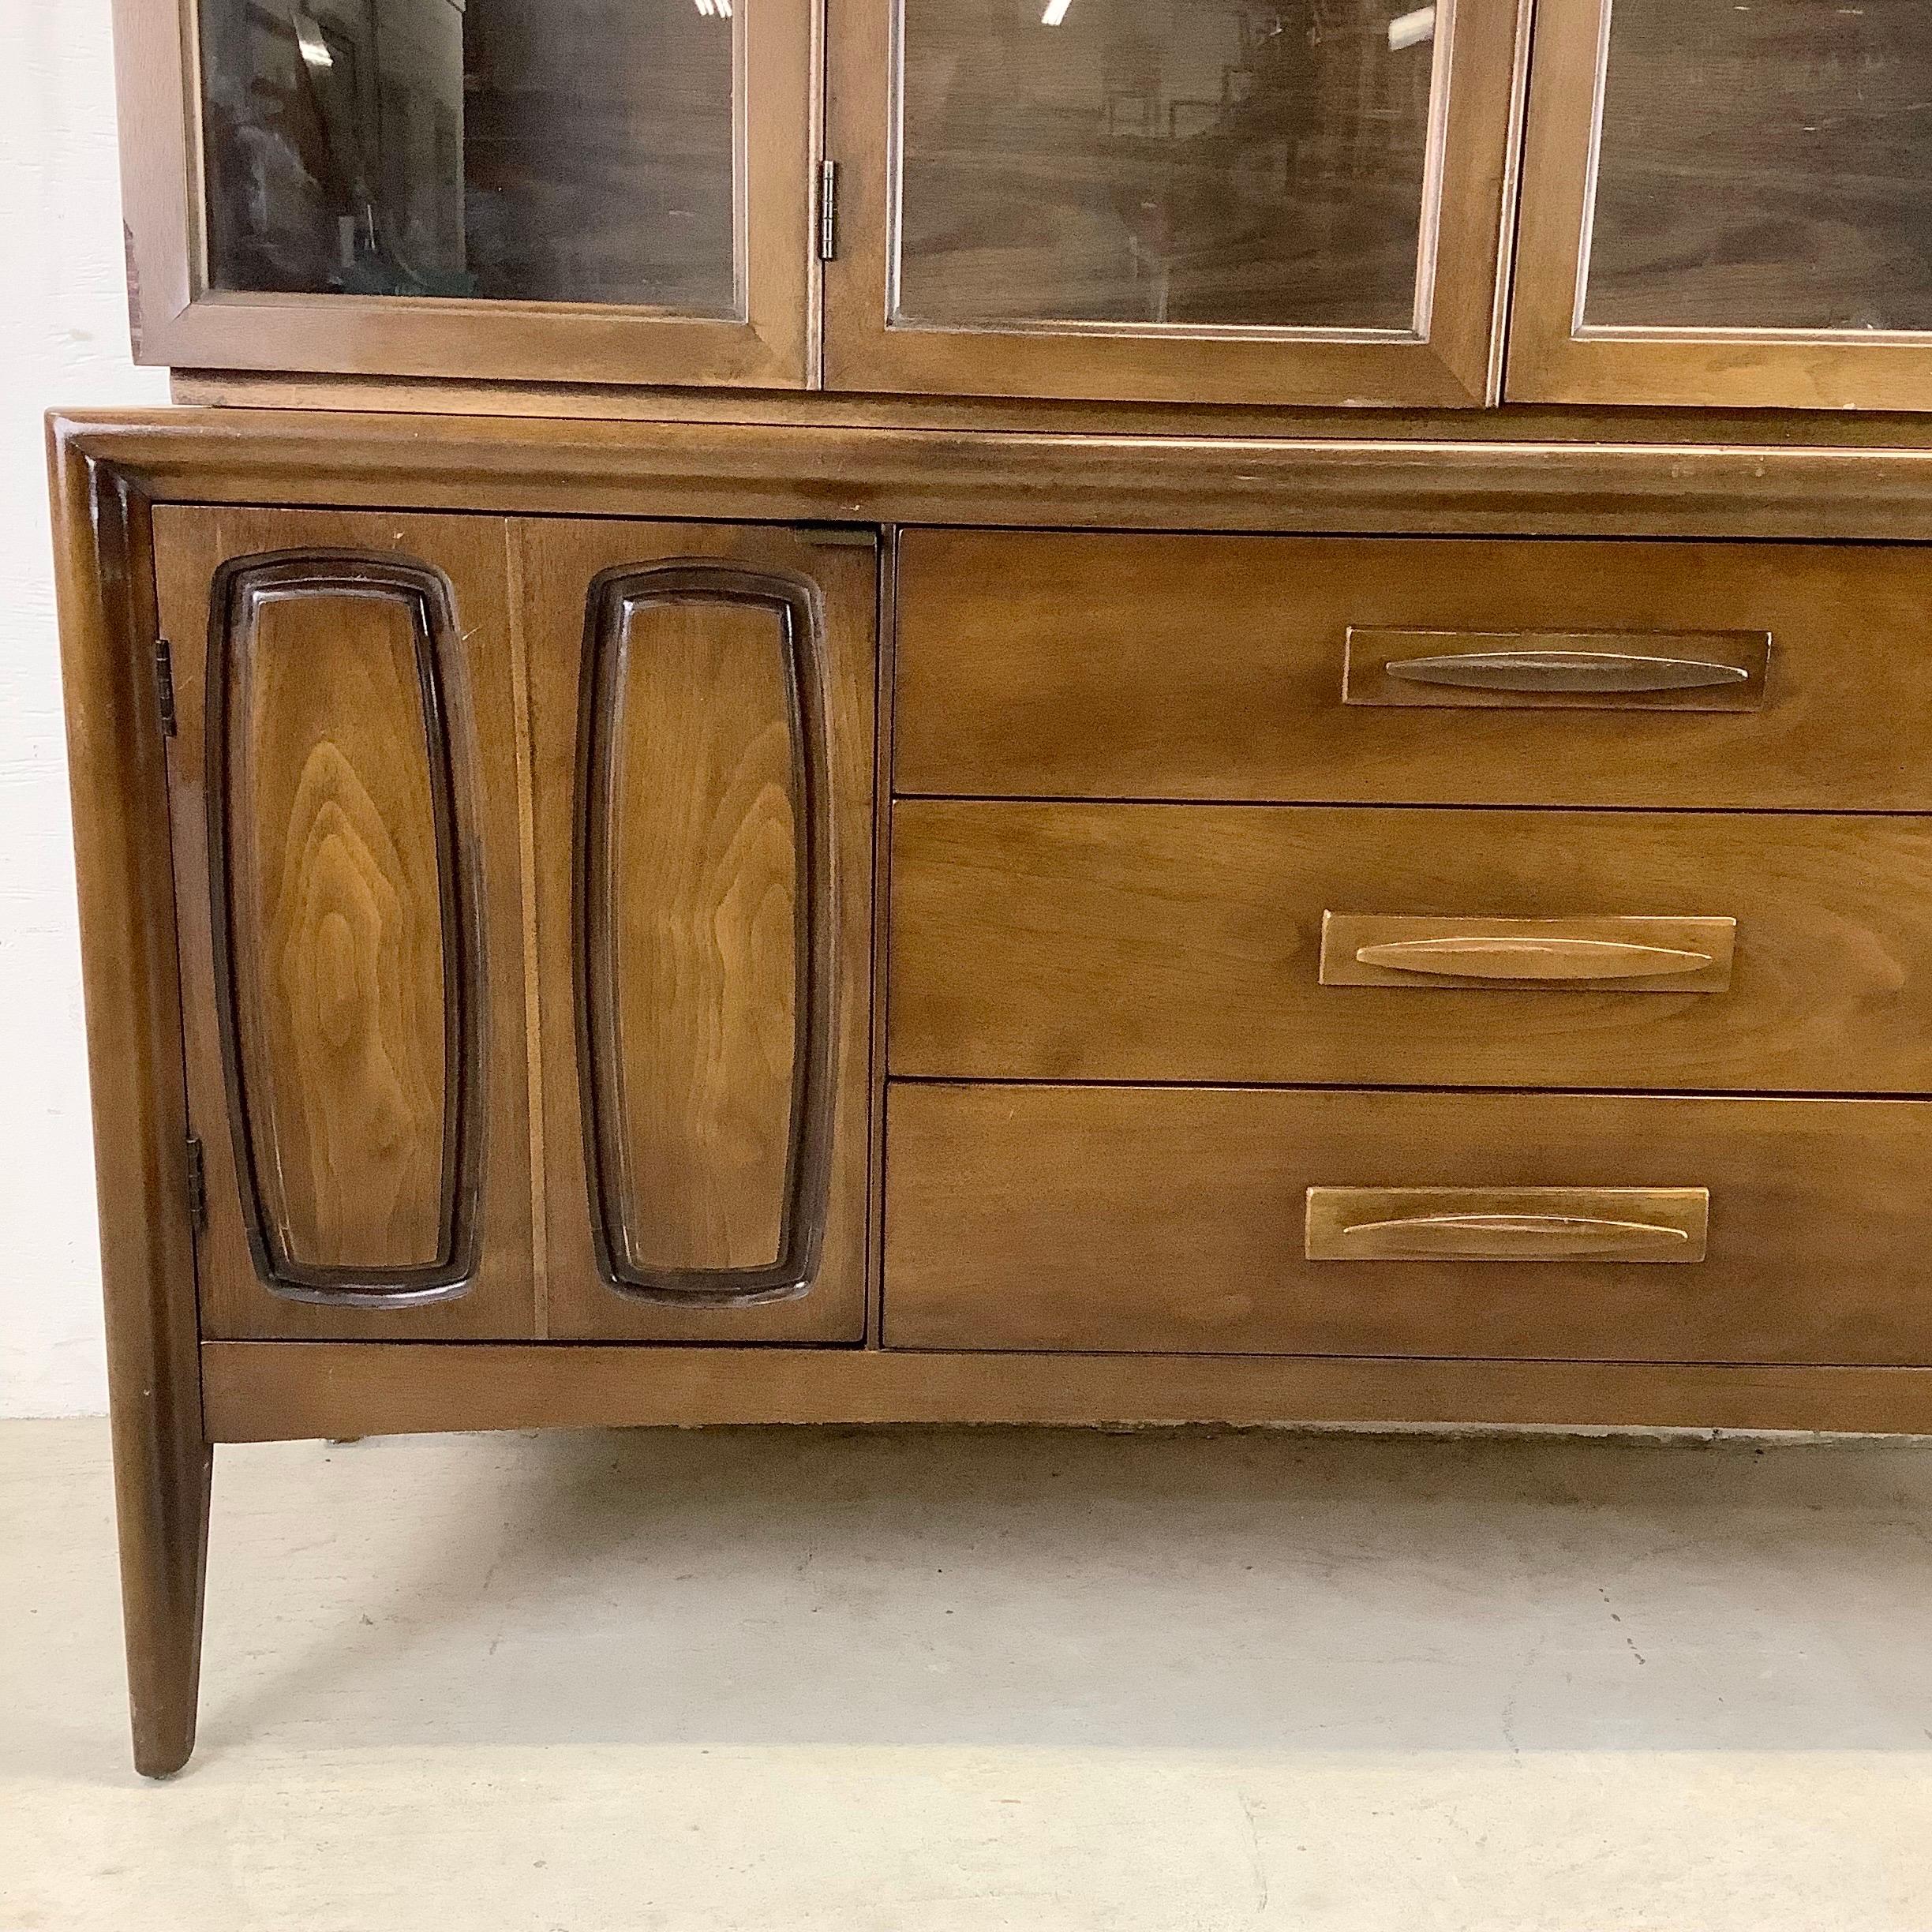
<point>760,1681</point>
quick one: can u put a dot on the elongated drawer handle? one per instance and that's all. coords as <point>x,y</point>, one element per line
<point>1509,1237</point>
<point>1531,669</point>
<point>1507,1224</point>
<point>1481,957</point>
<point>1567,670</point>
<point>1667,955</point>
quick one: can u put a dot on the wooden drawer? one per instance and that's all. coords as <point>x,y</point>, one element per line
<point>1040,664</point>
<point>1184,942</point>
<point>1173,1219</point>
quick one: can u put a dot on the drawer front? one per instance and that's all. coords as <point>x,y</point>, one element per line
<point>1578,1227</point>
<point>1426,671</point>
<point>1360,947</point>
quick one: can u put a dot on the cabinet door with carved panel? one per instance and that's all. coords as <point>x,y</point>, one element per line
<point>701,709</point>
<point>344,787</point>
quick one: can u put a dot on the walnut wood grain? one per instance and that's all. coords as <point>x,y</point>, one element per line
<point>1136,666</point>
<point>686,978</point>
<point>1507,1224</point>
<point>1634,953</point>
<point>368,960</point>
<point>1176,942</point>
<point>342,925</point>
<point>704,959</point>
<point>270,1392</point>
<point>1175,1219</point>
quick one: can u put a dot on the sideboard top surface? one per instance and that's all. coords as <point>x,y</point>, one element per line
<point>1632,482</point>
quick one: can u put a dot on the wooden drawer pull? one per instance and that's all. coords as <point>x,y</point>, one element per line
<point>1670,955</point>
<point>1507,1224</point>
<point>1509,1237</point>
<point>1489,957</point>
<point>1567,670</point>
<point>1537,669</point>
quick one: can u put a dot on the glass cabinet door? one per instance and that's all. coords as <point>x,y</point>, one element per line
<point>1728,203</point>
<point>563,189</point>
<point>1259,201</point>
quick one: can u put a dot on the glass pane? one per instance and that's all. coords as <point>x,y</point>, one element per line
<point>1201,162</point>
<point>1766,166</point>
<point>576,150</point>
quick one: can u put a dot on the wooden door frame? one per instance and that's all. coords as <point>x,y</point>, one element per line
<point>559,567</point>
<point>1555,357</point>
<point>485,1293</point>
<point>177,321</point>
<point>1453,360</point>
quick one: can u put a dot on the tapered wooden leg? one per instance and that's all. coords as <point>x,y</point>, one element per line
<point>162,1472</point>
<point>117,767</point>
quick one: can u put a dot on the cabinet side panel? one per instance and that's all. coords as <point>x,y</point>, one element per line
<point>161,1463</point>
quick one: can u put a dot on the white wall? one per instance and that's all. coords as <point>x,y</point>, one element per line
<point>63,340</point>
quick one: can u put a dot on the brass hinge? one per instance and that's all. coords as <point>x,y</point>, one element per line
<point>164,684</point>
<point>197,1185</point>
<point>828,211</point>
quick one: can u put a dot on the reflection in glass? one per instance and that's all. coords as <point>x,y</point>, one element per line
<point>575,151</point>
<point>1766,166</point>
<point>1184,162</point>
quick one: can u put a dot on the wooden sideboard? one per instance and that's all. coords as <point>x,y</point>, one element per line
<point>843,793</point>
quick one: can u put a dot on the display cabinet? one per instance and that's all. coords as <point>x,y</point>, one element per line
<point>1181,199</point>
<point>1726,205</point>
<point>1304,202</point>
<point>871,712</point>
<point>612,190</point>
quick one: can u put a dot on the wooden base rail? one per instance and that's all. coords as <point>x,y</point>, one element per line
<point>269,1391</point>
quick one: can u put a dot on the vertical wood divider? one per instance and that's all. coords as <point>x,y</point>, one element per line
<point>533,992</point>
<point>1504,296</point>
<point>885,637</point>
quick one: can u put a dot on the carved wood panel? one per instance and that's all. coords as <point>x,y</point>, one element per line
<point>347,861</point>
<point>702,733</point>
<point>701,940</point>
<point>342,927</point>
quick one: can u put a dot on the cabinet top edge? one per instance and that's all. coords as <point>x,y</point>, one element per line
<point>1418,480</point>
